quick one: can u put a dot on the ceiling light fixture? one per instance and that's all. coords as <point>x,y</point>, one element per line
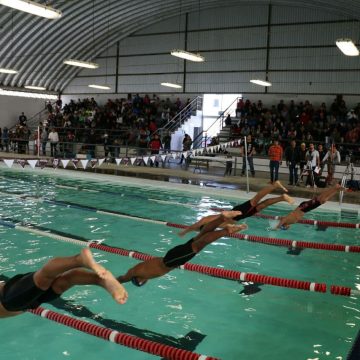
<point>187,55</point>
<point>261,82</point>
<point>31,87</point>
<point>102,87</point>
<point>80,63</point>
<point>8,71</point>
<point>347,47</point>
<point>172,85</point>
<point>32,8</point>
<point>28,94</point>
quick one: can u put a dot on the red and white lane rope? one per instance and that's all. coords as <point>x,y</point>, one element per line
<point>286,242</point>
<point>238,275</point>
<point>253,238</point>
<point>208,270</point>
<point>134,342</point>
<point>309,221</point>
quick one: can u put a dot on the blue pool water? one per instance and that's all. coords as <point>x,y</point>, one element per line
<point>204,314</point>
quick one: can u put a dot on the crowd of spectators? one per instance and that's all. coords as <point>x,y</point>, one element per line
<point>132,121</point>
<point>301,122</point>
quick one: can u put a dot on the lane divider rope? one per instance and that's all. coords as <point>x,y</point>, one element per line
<point>248,237</point>
<point>203,269</point>
<point>308,221</point>
<point>133,342</point>
<point>286,242</point>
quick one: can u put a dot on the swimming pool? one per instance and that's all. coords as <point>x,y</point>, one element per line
<point>207,315</point>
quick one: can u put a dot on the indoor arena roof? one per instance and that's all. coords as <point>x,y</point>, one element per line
<point>36,47</point>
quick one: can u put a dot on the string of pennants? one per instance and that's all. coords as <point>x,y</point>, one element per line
<point>55,163</point>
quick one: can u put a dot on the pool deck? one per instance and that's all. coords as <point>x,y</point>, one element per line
<point>214,178</point>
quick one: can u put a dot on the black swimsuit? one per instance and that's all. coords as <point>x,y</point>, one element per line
<point>20,293</point>
<point>309,205</point>
<point>246,209</point>
<point>179,255</point>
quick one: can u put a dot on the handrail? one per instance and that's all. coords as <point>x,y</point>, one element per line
<point>176,120</point>
<point>221,116</point>
<point>33,117</point>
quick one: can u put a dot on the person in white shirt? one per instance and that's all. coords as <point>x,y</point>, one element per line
<point>54,139</point>
<point>313,158</point>
<point>331,158</point>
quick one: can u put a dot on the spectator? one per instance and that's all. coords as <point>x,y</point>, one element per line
<point>228,120</point>
<point>22,119</point>
<point>167,142</point>
<point>275,154</point>
<point>5,138</point>
<point>322,153</point>
<point>44,139</point>
<point>331,158</point>
<point>303,161</point>
<point>155,146</point>
<point>292,157</point>
<point>313,162</point>
<point>187,142</point>
<point>54,140</point>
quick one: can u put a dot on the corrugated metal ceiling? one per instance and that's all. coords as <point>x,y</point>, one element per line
<point>36,47</point>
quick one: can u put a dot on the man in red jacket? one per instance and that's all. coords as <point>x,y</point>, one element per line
<point>155,145</point>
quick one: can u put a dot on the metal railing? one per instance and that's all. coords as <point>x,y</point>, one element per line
<point>40,116</point>
<point>201,138</point>
<point>182,116</point>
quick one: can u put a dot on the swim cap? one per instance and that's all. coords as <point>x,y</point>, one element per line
<point>283,227</point>
<point>136,282</point>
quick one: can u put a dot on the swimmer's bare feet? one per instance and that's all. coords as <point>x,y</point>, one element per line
<point>235,228</point>
<point>229,214</point>
<point>288,199</point>
<point>88,261</point>
<point>279,185</point>
<point>113,286</point>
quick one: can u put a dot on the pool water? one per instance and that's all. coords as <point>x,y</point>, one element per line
<point>207,315</point>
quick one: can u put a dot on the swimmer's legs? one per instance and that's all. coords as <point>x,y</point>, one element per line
<point>265,191</point>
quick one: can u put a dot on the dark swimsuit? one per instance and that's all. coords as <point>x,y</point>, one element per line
<point>20,293</point>
<point>246,209</point>
<point>179,255</point>
<point>309,205</point>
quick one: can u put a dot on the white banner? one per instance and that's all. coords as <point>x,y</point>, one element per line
<point>32,163</point>
<point>84,163</point>
<point>9,162</point>
<point>64,163</point>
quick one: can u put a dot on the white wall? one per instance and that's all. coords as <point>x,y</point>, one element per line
<point>12,106</point>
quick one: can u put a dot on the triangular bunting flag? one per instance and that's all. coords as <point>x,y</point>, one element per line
<point>64,162</point>
<point>163,157</point>
<point>55,163</point>
<point>21,162</point>
<point>42,163</point>
<point>118,161</point>
<point>9,162</point>
<point>75,162</point>
<point>132,160</point>
<point>84,163</point>
<point>146,159</point>
<point>93,162</point>
<point>101,161</point>
<point>32,163</point>
<point>152,158</point>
